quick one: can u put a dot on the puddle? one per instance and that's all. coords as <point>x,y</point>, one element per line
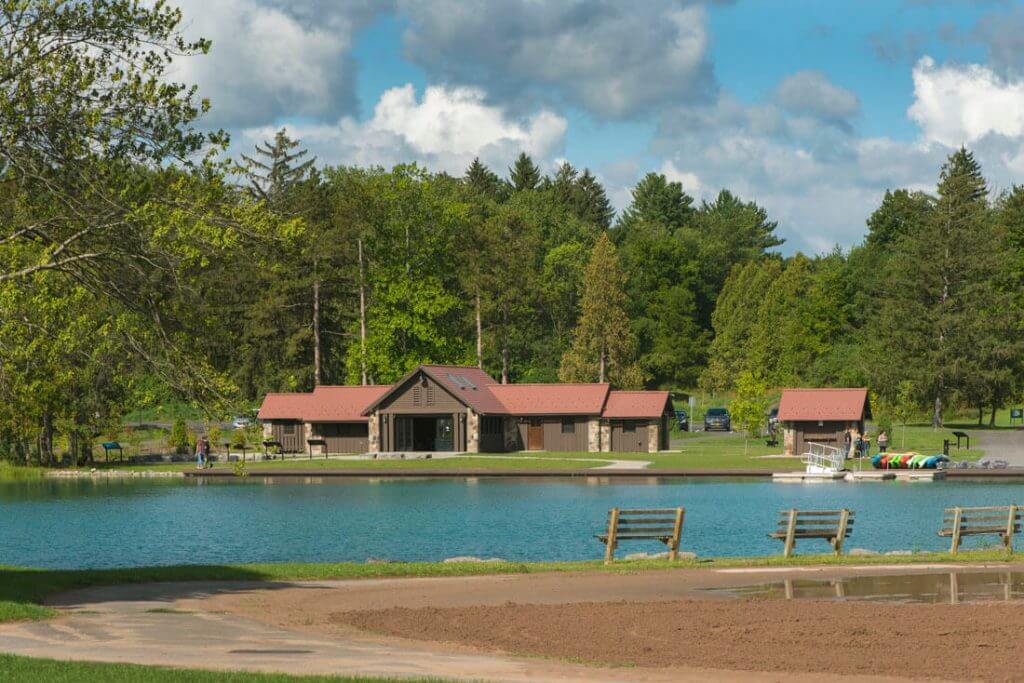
<point>949,588</point>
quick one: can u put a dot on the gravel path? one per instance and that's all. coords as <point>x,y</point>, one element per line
<point>1001,444</point>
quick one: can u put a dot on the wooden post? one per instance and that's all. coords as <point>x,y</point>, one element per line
<point>787,550</point>
<point>673,553</point>
<point>613,529</point>
<point>955,545</point>
<point>1011,524</point>
<point>844,516</point>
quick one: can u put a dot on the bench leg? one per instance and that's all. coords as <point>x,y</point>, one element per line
<point>1011,522</point>
<point>787,550</point>
<point>613,529</point>
<point>955,543</point>
<point>673,548</point>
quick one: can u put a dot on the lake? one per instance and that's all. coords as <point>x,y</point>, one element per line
<point>110,523</point>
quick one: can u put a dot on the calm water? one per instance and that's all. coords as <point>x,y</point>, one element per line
<point>84,523</point>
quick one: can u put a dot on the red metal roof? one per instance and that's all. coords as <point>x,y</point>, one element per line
<point>635,404</point>
<point>470,384</point>
<point>323,404</point>
<point>810,405</point>
<point>551,399</point>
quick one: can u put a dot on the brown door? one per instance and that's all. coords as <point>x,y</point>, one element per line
<point>535,434</point>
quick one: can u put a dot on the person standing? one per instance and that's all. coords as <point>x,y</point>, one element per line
<point>883,442</point>
<point>200,454</point>
<point>206,451</point>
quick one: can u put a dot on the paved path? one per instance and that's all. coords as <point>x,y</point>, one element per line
<point>1000,444</point>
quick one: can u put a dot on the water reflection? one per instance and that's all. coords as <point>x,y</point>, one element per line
<point>953,588</point>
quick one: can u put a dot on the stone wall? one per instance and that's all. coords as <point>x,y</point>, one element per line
<point>606,436</point>
<point>472,432</point>
<point>652,438</point>
<point>307,434</point>
<point>268,431</point>
<point>594,435</point>
<point>373,433</point>
<point>789,440</point>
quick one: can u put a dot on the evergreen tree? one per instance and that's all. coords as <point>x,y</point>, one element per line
<point>594,205</point>
<point>900,214</point>
<point>603,347</point>
<point>656,200</point>
<point>524,174</point>
<point>939,287</point>
<point>484,181</point>
<point>276,169</point>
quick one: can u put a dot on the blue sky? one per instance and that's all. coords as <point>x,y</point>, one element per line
<point>809,107</point>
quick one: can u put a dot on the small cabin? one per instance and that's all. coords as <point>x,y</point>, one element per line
<point>822,416</point>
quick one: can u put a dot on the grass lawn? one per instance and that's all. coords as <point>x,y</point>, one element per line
<point>13,668</point>
<point>23,590</point>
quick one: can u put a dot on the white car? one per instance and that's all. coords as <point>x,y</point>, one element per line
<point>240,423</point>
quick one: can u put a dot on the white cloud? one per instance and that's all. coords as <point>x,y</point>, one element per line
<point>271,60</point>
<point>690,182</point>
<point>613,59</point>
<point>444,130</point>
<point>958,104</point>
<point>811,93</point>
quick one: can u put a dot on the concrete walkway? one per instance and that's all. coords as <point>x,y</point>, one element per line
<point>1000,444</point>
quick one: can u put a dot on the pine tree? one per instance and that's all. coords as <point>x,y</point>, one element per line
<point>524,174</point>
<point>900,214</point>
<point>484,181</point>
<point>603,346</point>
<point>656,200</point>
<point>595,206</point>
<point>939,292</point>
<point>276,169</point>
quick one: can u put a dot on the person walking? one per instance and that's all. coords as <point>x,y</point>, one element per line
<point>883,442</point>
<point>200,454</point>
<point>206,451</point>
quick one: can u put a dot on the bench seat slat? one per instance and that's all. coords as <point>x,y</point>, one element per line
<point>980,518</point>
<point>976,530</point>
<point>653,511</point>
<point>815,513</point>
<point>814,522</point>
<point>647,520</point>
<point>991,508</point>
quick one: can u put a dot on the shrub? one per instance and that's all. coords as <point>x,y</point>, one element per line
<point>178,438</point>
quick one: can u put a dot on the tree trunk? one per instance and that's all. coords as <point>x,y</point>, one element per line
<point>992,417</point>
<point>479,335</point>
<point>504,344</point>
<point>981,415</point>
<point>46,440</point>
<point>937,412</point>
<point>316,332</point>
<point>600,375</point>
<point>362,316</point>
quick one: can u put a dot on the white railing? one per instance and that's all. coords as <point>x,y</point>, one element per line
<point>822,458</point>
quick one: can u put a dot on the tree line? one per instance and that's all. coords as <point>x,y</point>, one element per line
<point>138,262</point>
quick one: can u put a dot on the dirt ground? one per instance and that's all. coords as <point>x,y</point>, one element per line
<point>658,620</point>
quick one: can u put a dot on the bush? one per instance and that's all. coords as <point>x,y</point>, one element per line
<point>178,438</point>
<point>238,439</point>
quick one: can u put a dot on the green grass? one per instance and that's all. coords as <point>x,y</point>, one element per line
<point>9,472</point>
<point>14,668</point>
<point>23,590</point>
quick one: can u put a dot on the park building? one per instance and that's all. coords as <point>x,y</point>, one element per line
<point>437,408</point>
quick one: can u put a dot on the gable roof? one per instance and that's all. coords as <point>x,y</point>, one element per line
<point>635,404</point>
<point>551,399</point>
<point>470,386</point>
<point>810,405</point>
<point>323,404</point>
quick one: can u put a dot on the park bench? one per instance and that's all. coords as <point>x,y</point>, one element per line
<point>1002,521</point>
<point>835,526</point>
<point>656,524</point>
<point>962,435</point>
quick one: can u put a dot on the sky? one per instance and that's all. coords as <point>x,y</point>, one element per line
<point>811,108</point>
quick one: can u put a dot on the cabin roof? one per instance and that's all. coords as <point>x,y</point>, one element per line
<point>812,405</point>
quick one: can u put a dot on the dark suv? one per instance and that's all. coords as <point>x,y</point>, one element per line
<point>717,418</point>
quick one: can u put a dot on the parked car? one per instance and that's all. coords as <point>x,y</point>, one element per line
<point>241,422</point>
<point>717,418</point>
<point>682,421</point>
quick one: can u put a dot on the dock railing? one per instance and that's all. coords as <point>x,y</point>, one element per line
<point>823,458</point>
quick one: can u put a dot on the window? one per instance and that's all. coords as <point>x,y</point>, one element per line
<point>416,396</point>
<point>568,425</point>
<point>629,426</point>
<point>430,395</point>
<point>289,429</point>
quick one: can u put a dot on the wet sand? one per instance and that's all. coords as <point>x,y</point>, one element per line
<point>661,620</point>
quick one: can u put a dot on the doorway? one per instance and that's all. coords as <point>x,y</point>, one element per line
<point>414,433</point>
<point>535,434</point>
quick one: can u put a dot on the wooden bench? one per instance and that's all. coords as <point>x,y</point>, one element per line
<point>657,524</point>
<point>1003,521</point>
<point>835,526</point>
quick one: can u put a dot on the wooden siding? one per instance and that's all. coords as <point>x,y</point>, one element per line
<point>291,434</point>
<point>554,439</point>
<point>492,440</point>
<point>343,437</point>
<point>829,433</point>
<point>421,396</point>
<point>633,441</point>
